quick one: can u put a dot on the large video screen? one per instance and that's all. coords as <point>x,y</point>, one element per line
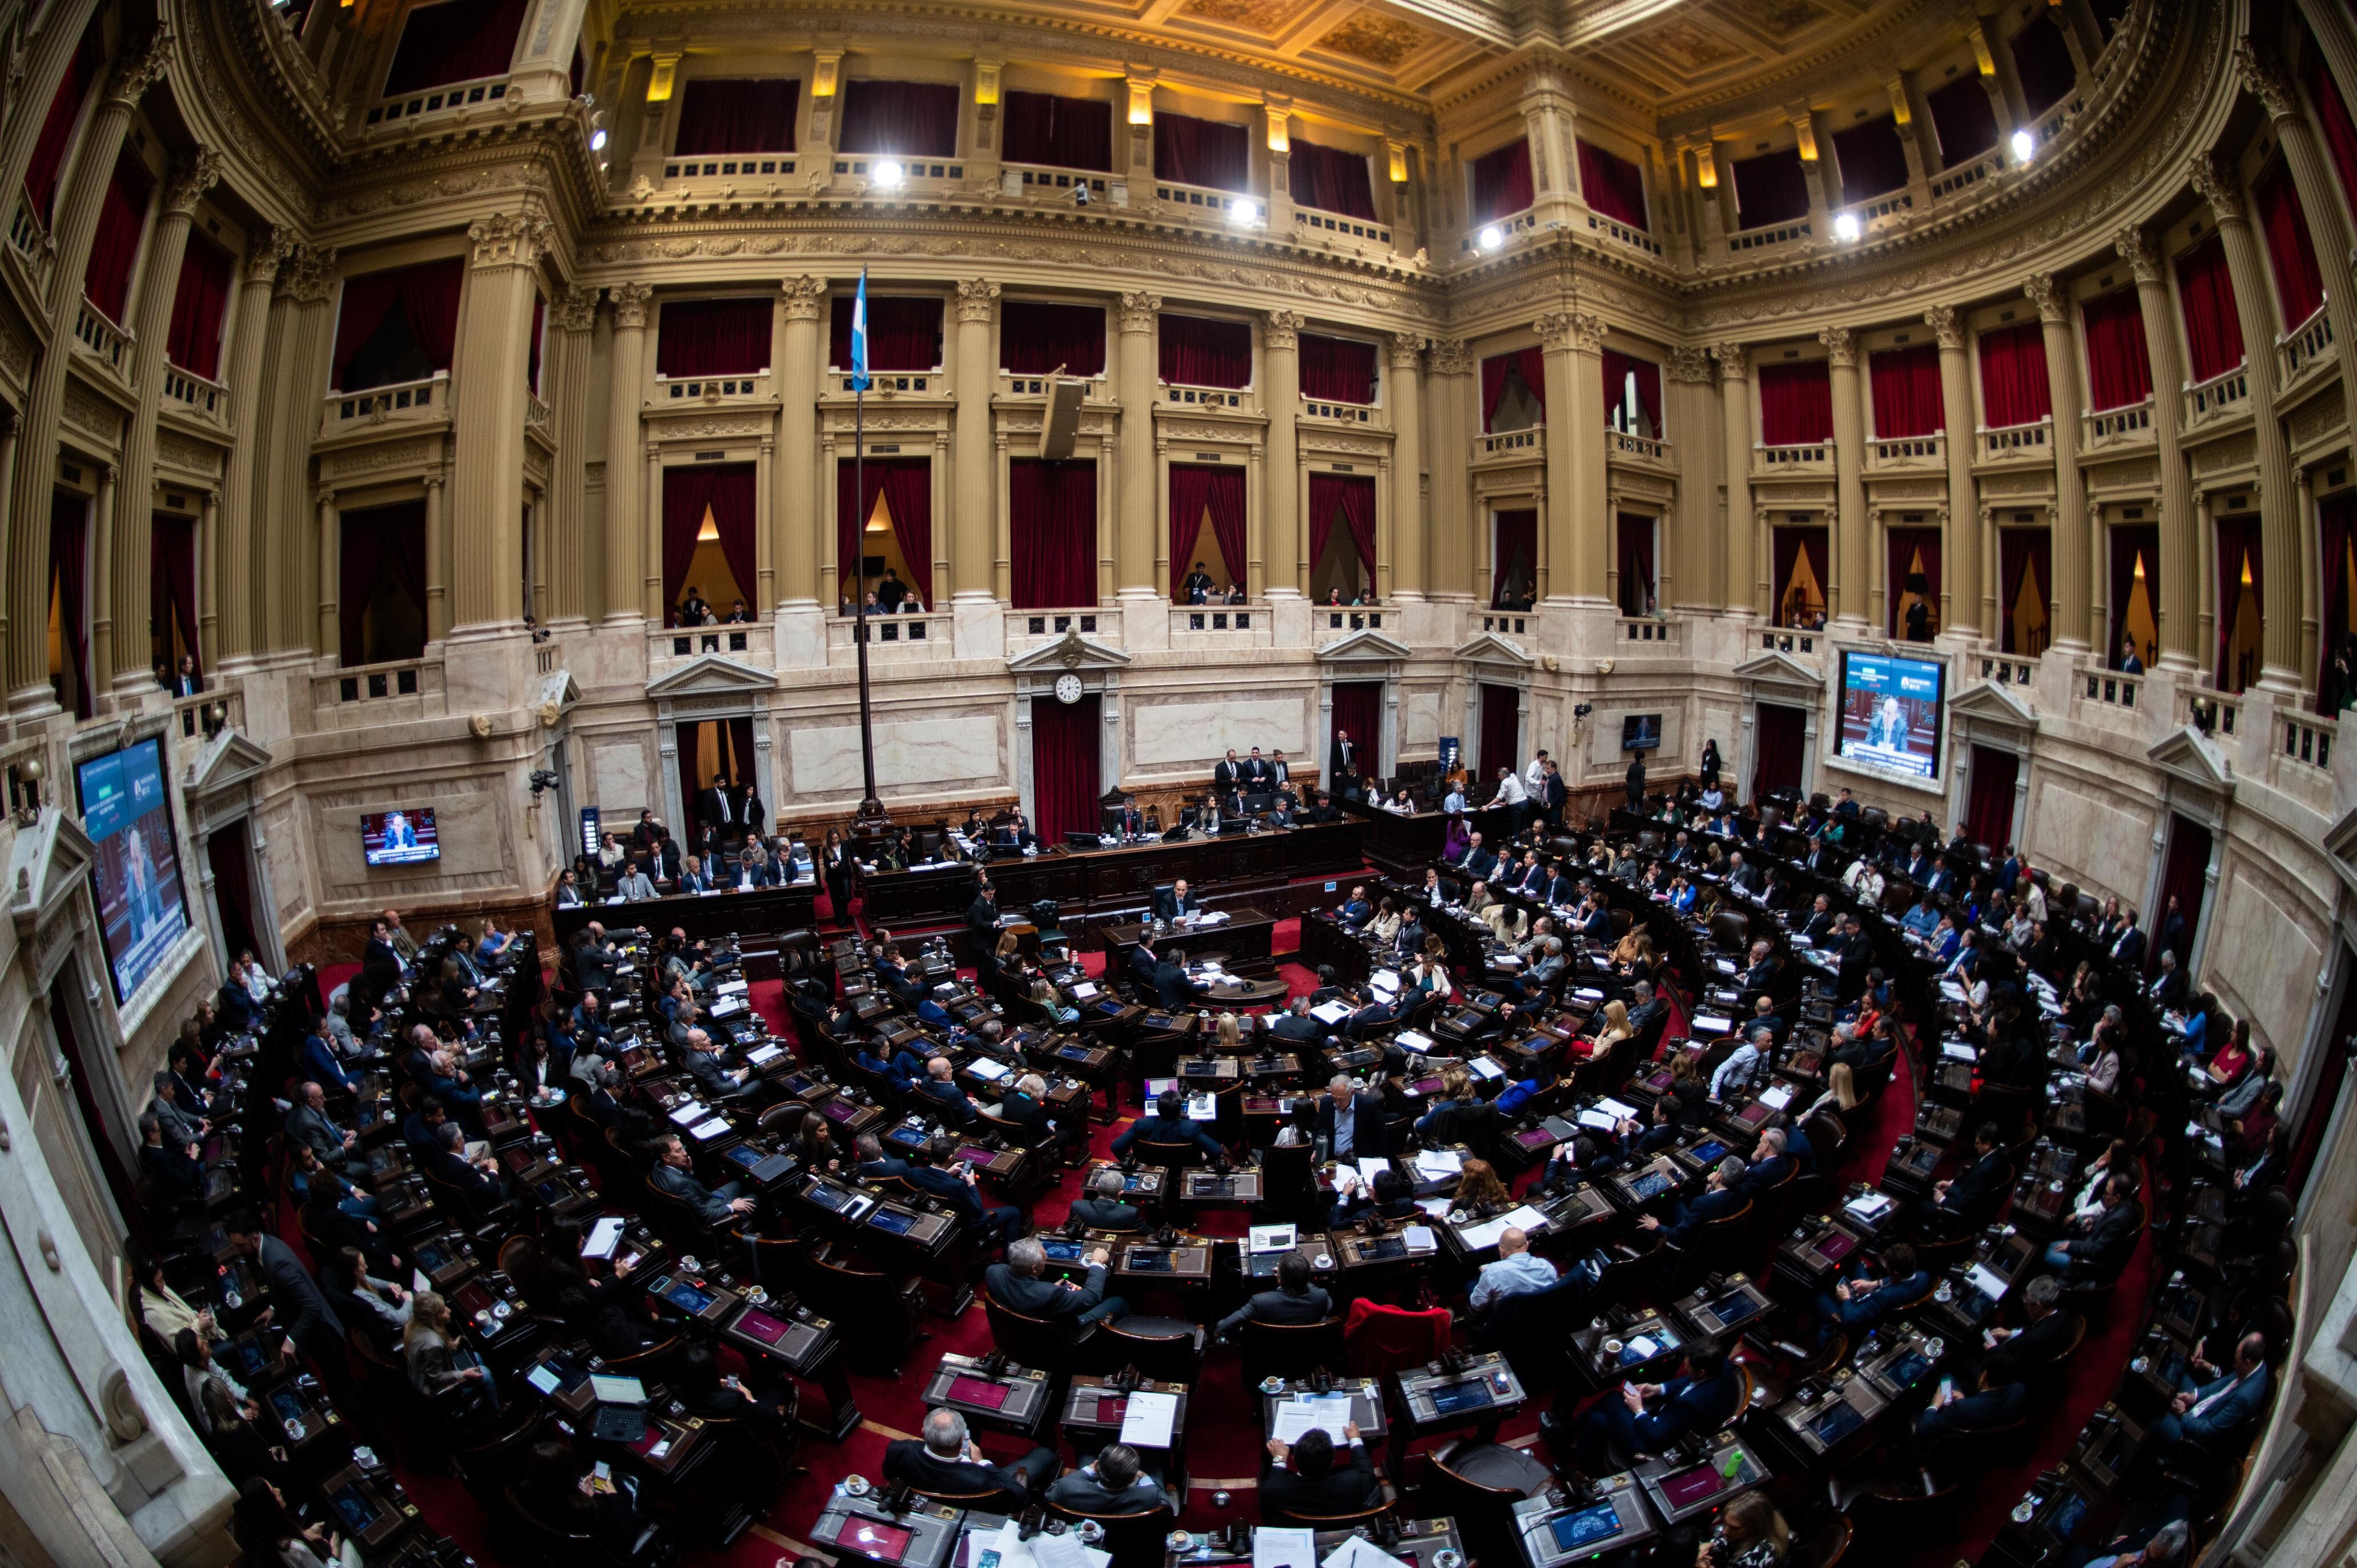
<point>128,812</point>
<point>1891,711</point>
<point>399,838</point>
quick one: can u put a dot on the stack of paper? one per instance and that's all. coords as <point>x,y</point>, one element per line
<point>1433,1165</point>
<point>1331,1012</point>
<point>1147,1419</point>
<point>1276,1548</point>
<point>1304,1413</point>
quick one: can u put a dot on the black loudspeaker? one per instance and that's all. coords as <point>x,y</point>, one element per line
<point>1061,424</point>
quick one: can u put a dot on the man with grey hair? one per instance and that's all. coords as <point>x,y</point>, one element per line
<point>2165,1547</point>
<point>1020,1284</point>
<point>1770,1164</point>
<point>946,1463</point>
<point>1721,1197</point>
<point>1102,1208</point>
<point>1296,1025</point>
<point>2019,1354</point>
<point>1742,1063</point>
<point>180,1125</point>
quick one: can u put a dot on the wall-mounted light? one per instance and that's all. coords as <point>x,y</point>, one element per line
<point>1280,131</point>
<point>2025,146</point>
<point>1806,135</point>
<point>1901,112</point>
<point>1141,102</point>
<point>1845,227</point>
<point>828,66</point>
<point>888,175</point>
<point>985,83</point>
<point>659,81</point>
<point>1706,168</point>
<point>1491,237</point>
<point>1982,58</point>
<point>1398,154</point>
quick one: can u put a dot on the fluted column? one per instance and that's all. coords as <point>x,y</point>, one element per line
<point>1693,548</point>
<point>288,544</point>
<point>2073,568</point>
<point>568,545</point>
<point>235,557</point>
<point>2281,594</point>
<point>437,553</point>
<point>1451,540</point>
<point>131,563</point>
<point>1133,554</point>
<point>486,473</point>
<point>1741,588</point>
<point>625,481</point>
<point>1959,543</point>
<point>974,511</point>
<point>328,552</point>
<point>1851,534</point>
<point>2176,597</point>
<point>1578,500</point>
<point>800,509</point>
<point>101,549</point>
<point>29,538</point>
<point>55,42</point>
<point>1401,572</point>
<point>2319,191</point>
<point>1288,550</point>
<point>209,577</point>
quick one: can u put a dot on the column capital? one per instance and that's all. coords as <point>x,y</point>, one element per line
<point>269,251</point>
<point>141,70</point>
<point>108,475</point>
<point>1451,357</point>
<point>199,174</point>
<point>576,308</point>
<point>2045,291</point>
<point>1573,330</point>
<point>510,240</point>
<point>1690,365</point>
<point>978,301</point>
<point>629,303</point>
<point>308,274</point>
<point>1947,324</point>
<point>2262,74</point>
<point>1841,347</point>
<point>1138,309</point>
<point>2212,179</point>
<point>1283,329</point>
<point>1405,347</point>
<point>434,481</point>
<point>324,496</point>
<point>2135,248</point>
<point>801,296</point>
<point>1734,360</point>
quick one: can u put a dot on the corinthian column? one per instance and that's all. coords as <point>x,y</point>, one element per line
<point>569,546</point>
<point>1288,550</point>
<point>1578,497</point>
<point>234,555</point>
<point>1960,545</point>
<point>1692,561</point>
<point>1133,551</point>
<point>625,480</point>
<point>2319,193</point>
<point>289,563</point>
<point>974,511</point>
<point>1404,556</point>
<point>806,518</point>
<point>2176,597</point>
<point>1852,575</point>
<point>1742,583</point>
<point>2072,569</point>
<point>487,472</point>
<point>1451,543</point>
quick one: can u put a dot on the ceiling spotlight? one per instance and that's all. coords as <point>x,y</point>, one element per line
<point>888,174</point>
<point>2025,146</point>
<point>1491,237</point>
<point>1845,227</point>
<point>598,140</point>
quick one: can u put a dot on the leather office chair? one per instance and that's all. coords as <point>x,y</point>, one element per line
<point>1478,1484</point>
<point>876,1313</point>
<point>1335,1521</point>
<point>1168,1349</point>
<point>1130,1537</point>
<point>1288,1349</point>
<point>1031,1341</point>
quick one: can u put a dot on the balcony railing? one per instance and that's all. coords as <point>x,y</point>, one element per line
<point>1093,388</point>
<point>1903,453</point>
<point>748,643</point>
<point>1801,643</point>
<point>1804,457</point>
<point>535,411</point>
<point>1646,629</point>
<point>2304,347</point>
<point>1027,627</point>
<point>1310,224</point>
<point>1346,413</point>
<point>2212,713</point>
<point>1772,235</point>
<point>743,165</point>
<point>1206,397</point>
<point>2308,739</point>
<point>898,637</point>
<point>1965,176</point>
<point>28,236</point>
<point>2018,440</point>
<point>188,387</point>
<point>1326,624</point>
<point>888,381</point>
<point>2008,670</point>
<point>1614,229</point>
<point>379,404</point>
<point>2127,425</point>
<point>1044,180</point>
<point>2113,689</point>
<point>1231,205</point>
<point>1643,448</point>
<point>459,95</point>
<point>710,389</point>
<point>390,692</point>
<point>2222,394</point>
<point>913,171</point>
<point>1508,443</point>
<point>1233,626</point>
<point>101,337</point>
<point>1508,623</point>
<point>198,718</point>
<point>1512,224</point>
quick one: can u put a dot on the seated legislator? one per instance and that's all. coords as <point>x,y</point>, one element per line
<point>1295,1300</point>
<point>1721,1197</point>
<point>1102,1208</point>
<point>1168,1124</point>
<point>1311,1478</point>
<point>1112,1483</point>
<point>1651,1418</point>
<point>946,1461</point>
<point>1020,1285</point>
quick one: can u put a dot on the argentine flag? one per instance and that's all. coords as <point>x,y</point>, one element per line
<point>859,336</point>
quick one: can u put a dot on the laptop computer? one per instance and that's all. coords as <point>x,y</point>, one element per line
<point>1272,1238</point>
<point>621,1408</point>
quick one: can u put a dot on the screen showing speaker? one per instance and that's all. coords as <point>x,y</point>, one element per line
<point>399,838</point>
<point>1891,712</point>
<point>128,812</point>
<point>1640,732</point>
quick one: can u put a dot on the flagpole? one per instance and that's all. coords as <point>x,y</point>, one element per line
<point>871,808</point>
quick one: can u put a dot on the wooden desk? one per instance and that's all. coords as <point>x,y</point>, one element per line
<point>1244,937</point>
<point>1016,1400</point>
<point>1367,1406</point>
<point>1093,1416</point>
<point>792,907</point>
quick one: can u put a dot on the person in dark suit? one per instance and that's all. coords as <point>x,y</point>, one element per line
<point>875,1165</point>
<point>2016,1355</point>
<point>1859,1302</point>
<point>934,1168</point>
<point>1991,1407</point>
<point>179,1169</point>
<point>1350,1123</point>
<point>1650,1418</point>
<point>982,918</point>
<point>1020,1284</point>
<point>1721,1195</point>
<point>2127,947</point>
<point>1294,1300</point>
<point>1310,1477</point>
<point>675,1173</point>
<point>1970,1195</point>
<point>1168,1124</point>
<point>1142,961</point>
<point>302,1309</point>
<point>1297,1025</point>
<point>186,681</point>
<point>2097,1246</point>
<point>1346,756</point>
<point>1102,1208</point>
<point>1109,1484</point>
<point>1769,1162</point>
<point>1226,775</point>
<point>2215,1413</point>
<point>380,963</point>
<point>946,1461</point>
<point>1173,990</point>
<point>1129,822</point>
<point>1176,902</point>
<point>477,1178</point>
<point>941,1093</point>
<point>2129,664</point>
<point>716,808</point>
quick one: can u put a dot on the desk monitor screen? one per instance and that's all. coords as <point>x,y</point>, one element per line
<point>1708,1152</point>
<point>1073,1053</point>
<point>1451,1398</point>
<point>1589,1526</point>
<point>616,1390</point>
<point>1837,1245</point>
<point>1060,1251</point>
<point>289,1405</point>
<point>1652,1184</point>
<point>744,1155</point>
<point>1131,1181</point>
<point>1907,1367</point>
<point>1732,1308</point>
<point>2065,1522</point>
<point>836,1110</point>
<point>1833,1424</point>
<point>877,1541</point>
<point>1534,1138</point>
<point>894,1221</point>
<point>354,1507</point>
<point>1688,1488</point>
<point>827,1197</point>
<point>980,1391</point>
<point>975,1158</point>
<point>758,1325</point>
<point>1383,1247</point>
<point>1147,1262</point>
<point>686,1297</point>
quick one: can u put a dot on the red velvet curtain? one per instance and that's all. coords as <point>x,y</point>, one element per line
<point>1796,404</point>
<point>1906,545</point>
<point>1872,158</point>
<point>69,572</point>
<point>1963,118</point>
<point>2014,388</point>
<point>113,249</point>
<point>1195,352</point>
<point>727,490</point>
<point>225,851</point>
<point>1065,751</point>
<point>906,486</point>
<point>1989,805</point>
<point>49,160</point>
<point>1331,179</point>
<point>1502,180</point>
<point>904,332</point>
<point>2336,525</point>
<point>1195,488</point>
<point>459,40</point>
<point>1336,369</point>
<point>1907,394</point>
<point>738,115</point>
<point>1051,515</point>
<point>2181,877</point>
<point>1613,186</point>
<point>2299,283</point>
<point>1789,546</point>
<point>172,585</point>
<point>2214,330</point>
<point>1060,133</point>
<point>1035,338</point>
<point>427,295</point>
<point>2119,361</point>
<point>1515,555</point>
<point>1779,746</point>
<point>2043,64</point>
<point>1207,153</point>
<point>2132,543</point>
<point>199,304</point>
<point>1640,589</point>
<point>378,542</point>
<point>899,118</point>
<point>2332,113</point>
<point>1359,714</point>
<point>1618,368</point>
<point>1771,189</point>
<point>714,337</point>
<point>2020,553</point>
<point>1529,364</point>
<point>2238,544</point>
<point>1501,729</point>
<point>1353,498</point>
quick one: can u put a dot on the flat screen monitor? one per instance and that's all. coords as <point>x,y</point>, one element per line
<point>686,1297</point>
<point>758,1325</point>
<point>1891,712</point>
<point>878,1542</point>
<point>979,1391</point>
<point>1451,1398</point>
<point>399,838</point>
<point>1640,732</point>
<point>127,813</point>
<point>1833,1425</point>
<point>1589,1525</point>
<point>893,1220</point>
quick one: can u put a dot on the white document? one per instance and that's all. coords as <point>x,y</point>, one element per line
<point>1596,1120</point>
<point>1957,1051</point>
<point>1084,990</point>
<point>765,1056</point>
<point>604,1235</point>
<point>1619,1109</point>
<point>1373,1165</point>
<point>1485,1234</point>
<point>1065,1552</point>
<point>1439,1163</point>
<point>1303,1413</point>
<point>1331,1012</point>
<point>1435,1207</point>
<point>1415,1040</point>
<point>1981,1280</point>
<point>1275,1548</point>
<point>1778,1098</point>
<point>716,1128</point>
<point>732,988</point>
<point>1646,1345</point>
<point>1203,1107</point>
<point>1360,1553</point>
<point>1482,1067</point>
<point>688,1115</point>
<point>1419,1237</point>
<point>1873,1206</point>
<point>1587,994</point>
<point>987,1070</point>
<point>1146,1421</point>
<point>1712,1024</point>
<point>1526,1218</point>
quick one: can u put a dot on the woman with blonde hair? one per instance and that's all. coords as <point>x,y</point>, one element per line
<point>1478,1186</point>
<point>1231,1033</point>
<point>429,1345</point>
<point>1750,1534</point>
<point>1840,1093</point>
<point>1633,952</point>
<point>1616,1027</point>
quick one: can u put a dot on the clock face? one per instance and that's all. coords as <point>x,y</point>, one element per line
<point>1068,687</point>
